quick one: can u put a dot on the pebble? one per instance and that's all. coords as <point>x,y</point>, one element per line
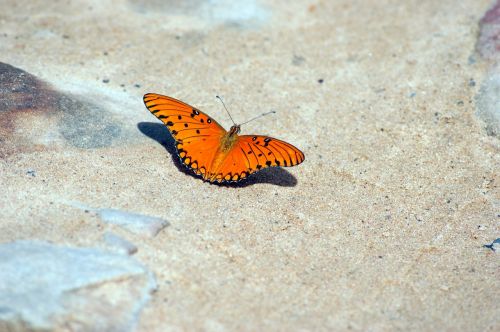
<point>136,223</point>
<point>118,244</point>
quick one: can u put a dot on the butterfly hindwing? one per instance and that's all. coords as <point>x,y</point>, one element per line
<point>198,154</point>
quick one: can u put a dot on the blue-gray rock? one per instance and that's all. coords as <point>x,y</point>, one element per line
<point>118,244</point>
<point>494,246</point>
<point>488,103</point>
<point>51,287</point>
<point>134,222</point>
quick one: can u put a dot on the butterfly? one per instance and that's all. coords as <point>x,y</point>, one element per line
<point>213,153</point>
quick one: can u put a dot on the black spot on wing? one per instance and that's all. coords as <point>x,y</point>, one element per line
<point>262,152</point>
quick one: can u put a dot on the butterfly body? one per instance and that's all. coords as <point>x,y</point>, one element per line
<point>213,153</point>
<point>229,139</point>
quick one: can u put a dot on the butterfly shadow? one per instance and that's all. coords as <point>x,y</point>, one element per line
<point>273,175</point>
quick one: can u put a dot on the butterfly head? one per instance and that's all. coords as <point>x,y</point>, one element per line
<point>234,130</point>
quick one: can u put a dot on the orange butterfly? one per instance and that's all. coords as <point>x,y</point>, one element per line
<point>209,150</point>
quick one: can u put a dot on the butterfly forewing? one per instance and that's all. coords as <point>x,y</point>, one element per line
<point>182,120</point>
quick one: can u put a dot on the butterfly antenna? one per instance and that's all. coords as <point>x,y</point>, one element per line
<point>225,109</point>
<point>258,116</point>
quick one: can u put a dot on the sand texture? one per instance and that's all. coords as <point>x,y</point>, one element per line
<point>391,222</point>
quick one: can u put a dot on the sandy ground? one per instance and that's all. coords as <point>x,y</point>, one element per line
<point>382,227</point>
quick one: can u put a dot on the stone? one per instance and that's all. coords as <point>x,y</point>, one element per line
<point>134,222</point>
<point>118,244</point>
<point>488,44</point>
<point>488,103</point>
<point>50,287</point>
<point>494,246</point>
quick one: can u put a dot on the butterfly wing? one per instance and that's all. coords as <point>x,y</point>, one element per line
<point>197,135</point>
<point>253,153</point>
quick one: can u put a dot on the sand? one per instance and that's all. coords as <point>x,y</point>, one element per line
<point>381,228</point>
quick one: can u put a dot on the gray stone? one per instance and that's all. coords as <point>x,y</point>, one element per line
<point>118,244</point>
<point>494,246</point>
<point>85,124</point>
<point>488,103</point>
<point>488,43</point>
<point>50,287</point>
<point>134,222</point>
